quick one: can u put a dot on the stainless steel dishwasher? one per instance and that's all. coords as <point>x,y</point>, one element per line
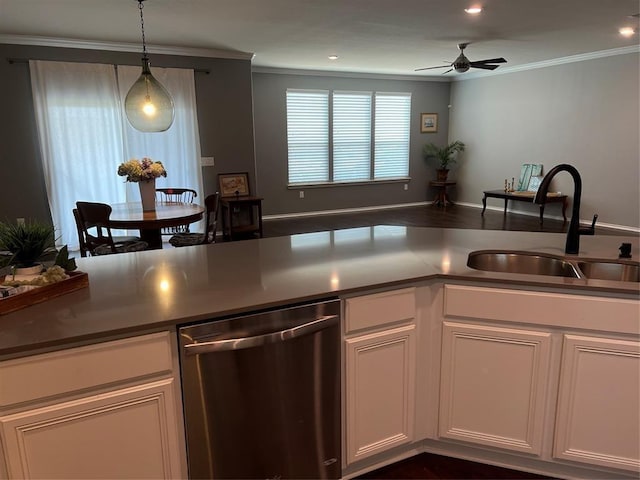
<point>261,394</point>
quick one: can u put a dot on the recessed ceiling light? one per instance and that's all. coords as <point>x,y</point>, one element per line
<point>473,10</point>
<point>332,57</point>
<point>627,31</point>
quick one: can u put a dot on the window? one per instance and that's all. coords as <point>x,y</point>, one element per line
<point>351,136</point>
<point>393,115</point>
<point>347,137</point>
<point>308,136</point>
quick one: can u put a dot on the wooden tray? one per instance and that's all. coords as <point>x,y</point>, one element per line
<point>76,281</point>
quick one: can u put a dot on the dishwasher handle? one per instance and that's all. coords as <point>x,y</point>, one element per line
<point>258,340</point>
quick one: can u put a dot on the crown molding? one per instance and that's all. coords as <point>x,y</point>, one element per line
<point>123,47</point>
<point>551,63</point>
<point>238,55</point>
<point>335,73</point>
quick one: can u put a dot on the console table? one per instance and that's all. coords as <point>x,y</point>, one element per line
<point>441,199</point>
<point>526,197</point>
<point>241,217</point>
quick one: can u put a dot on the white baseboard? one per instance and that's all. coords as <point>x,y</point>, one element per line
<point>613,226</point>
<point>341,210</point>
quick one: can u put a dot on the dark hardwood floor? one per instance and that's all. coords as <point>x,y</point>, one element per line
<point>453,216</point>
<point>430,466</point>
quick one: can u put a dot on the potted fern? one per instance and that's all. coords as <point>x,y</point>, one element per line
<point>28,244</point>
<point>445,156</point>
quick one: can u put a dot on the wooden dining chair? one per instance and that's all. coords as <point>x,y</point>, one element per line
<point>95,233</point>
<point>175,195</point>
<point>212,204</point>
<point>82,240</point>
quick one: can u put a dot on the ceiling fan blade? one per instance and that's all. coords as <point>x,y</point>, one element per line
<point>430,68</point>
<point>492,60</point>
<point>483,66</point>
<point>447,71</point>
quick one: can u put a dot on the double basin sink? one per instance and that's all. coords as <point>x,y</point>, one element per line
<point>545,264</point>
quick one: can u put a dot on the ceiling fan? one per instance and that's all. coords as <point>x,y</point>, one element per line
<point>462,63</point>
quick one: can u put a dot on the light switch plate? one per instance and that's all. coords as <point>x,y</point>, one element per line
<point>207,161</point>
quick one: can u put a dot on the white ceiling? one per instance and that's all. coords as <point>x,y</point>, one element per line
<point>372,36</point>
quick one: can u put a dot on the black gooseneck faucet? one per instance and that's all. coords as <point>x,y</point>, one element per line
<point>573,234</point>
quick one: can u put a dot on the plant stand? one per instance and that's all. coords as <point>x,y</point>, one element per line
<point>441,199</point>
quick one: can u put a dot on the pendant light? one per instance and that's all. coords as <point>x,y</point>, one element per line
<point>148,105</point>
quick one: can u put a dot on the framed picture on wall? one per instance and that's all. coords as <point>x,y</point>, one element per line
<point>428,122</point>
<point>234,184</point>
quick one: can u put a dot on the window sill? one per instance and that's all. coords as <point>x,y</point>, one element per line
<point>297,186</point>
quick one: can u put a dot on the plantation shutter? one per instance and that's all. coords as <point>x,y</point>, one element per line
<point>351,136</point>
<point>392,121</point>
<point>308,136</point>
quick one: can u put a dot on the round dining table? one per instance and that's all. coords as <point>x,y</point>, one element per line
<point>130,216</point>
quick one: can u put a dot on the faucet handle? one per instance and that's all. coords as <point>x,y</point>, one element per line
<point>591,230</point>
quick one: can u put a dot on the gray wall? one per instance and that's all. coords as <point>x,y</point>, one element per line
<point>583,113</point>
<point>224,115</point>
<point>271,143</point>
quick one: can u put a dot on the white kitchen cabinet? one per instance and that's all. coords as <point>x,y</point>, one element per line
<point>493,385</point>
<point>380,373</point>
<point>109,410</point>
<point>506,353</point>
<point>380,391</point>
<point>598,416</point>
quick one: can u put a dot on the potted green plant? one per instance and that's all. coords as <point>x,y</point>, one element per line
<point>444,155</point>
<point>27,242</point>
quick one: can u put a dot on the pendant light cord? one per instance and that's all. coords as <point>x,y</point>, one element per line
<point>144,43</point>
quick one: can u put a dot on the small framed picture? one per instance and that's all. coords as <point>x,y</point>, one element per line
<point>534,183</point>
<point>234,184</point>
<point>527,171</point>
<point>428,122</point>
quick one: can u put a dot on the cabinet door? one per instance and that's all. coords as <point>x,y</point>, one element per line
<point>493,385</point>
<point>380,385</point>
<point>128,433</point>
<point>599,402</point>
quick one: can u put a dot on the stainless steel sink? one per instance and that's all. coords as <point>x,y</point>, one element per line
<point>610,270</point>
<point>521,262</point>
<point>533,263</point>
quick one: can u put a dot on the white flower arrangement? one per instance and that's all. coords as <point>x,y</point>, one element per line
<point>139,170</point>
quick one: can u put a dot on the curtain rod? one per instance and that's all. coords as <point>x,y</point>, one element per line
<point>26,60</point>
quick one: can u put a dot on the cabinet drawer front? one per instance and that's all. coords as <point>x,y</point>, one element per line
<point>66,371</point>
<point>542,308</point>
<point>380,309</point>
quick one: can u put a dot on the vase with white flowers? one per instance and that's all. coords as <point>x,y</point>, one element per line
<point>143,172</point>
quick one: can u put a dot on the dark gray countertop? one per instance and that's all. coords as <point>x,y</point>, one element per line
<point>137,292</point>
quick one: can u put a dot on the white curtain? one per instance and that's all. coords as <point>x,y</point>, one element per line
<point>84,136</point>
<point>78,114</point>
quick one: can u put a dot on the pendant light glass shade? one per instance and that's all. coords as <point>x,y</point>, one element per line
<point>148,105</point>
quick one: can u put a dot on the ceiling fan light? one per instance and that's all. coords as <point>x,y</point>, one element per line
<point>473,10</point>
<point>627,31</point>
<point>148,105</point>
